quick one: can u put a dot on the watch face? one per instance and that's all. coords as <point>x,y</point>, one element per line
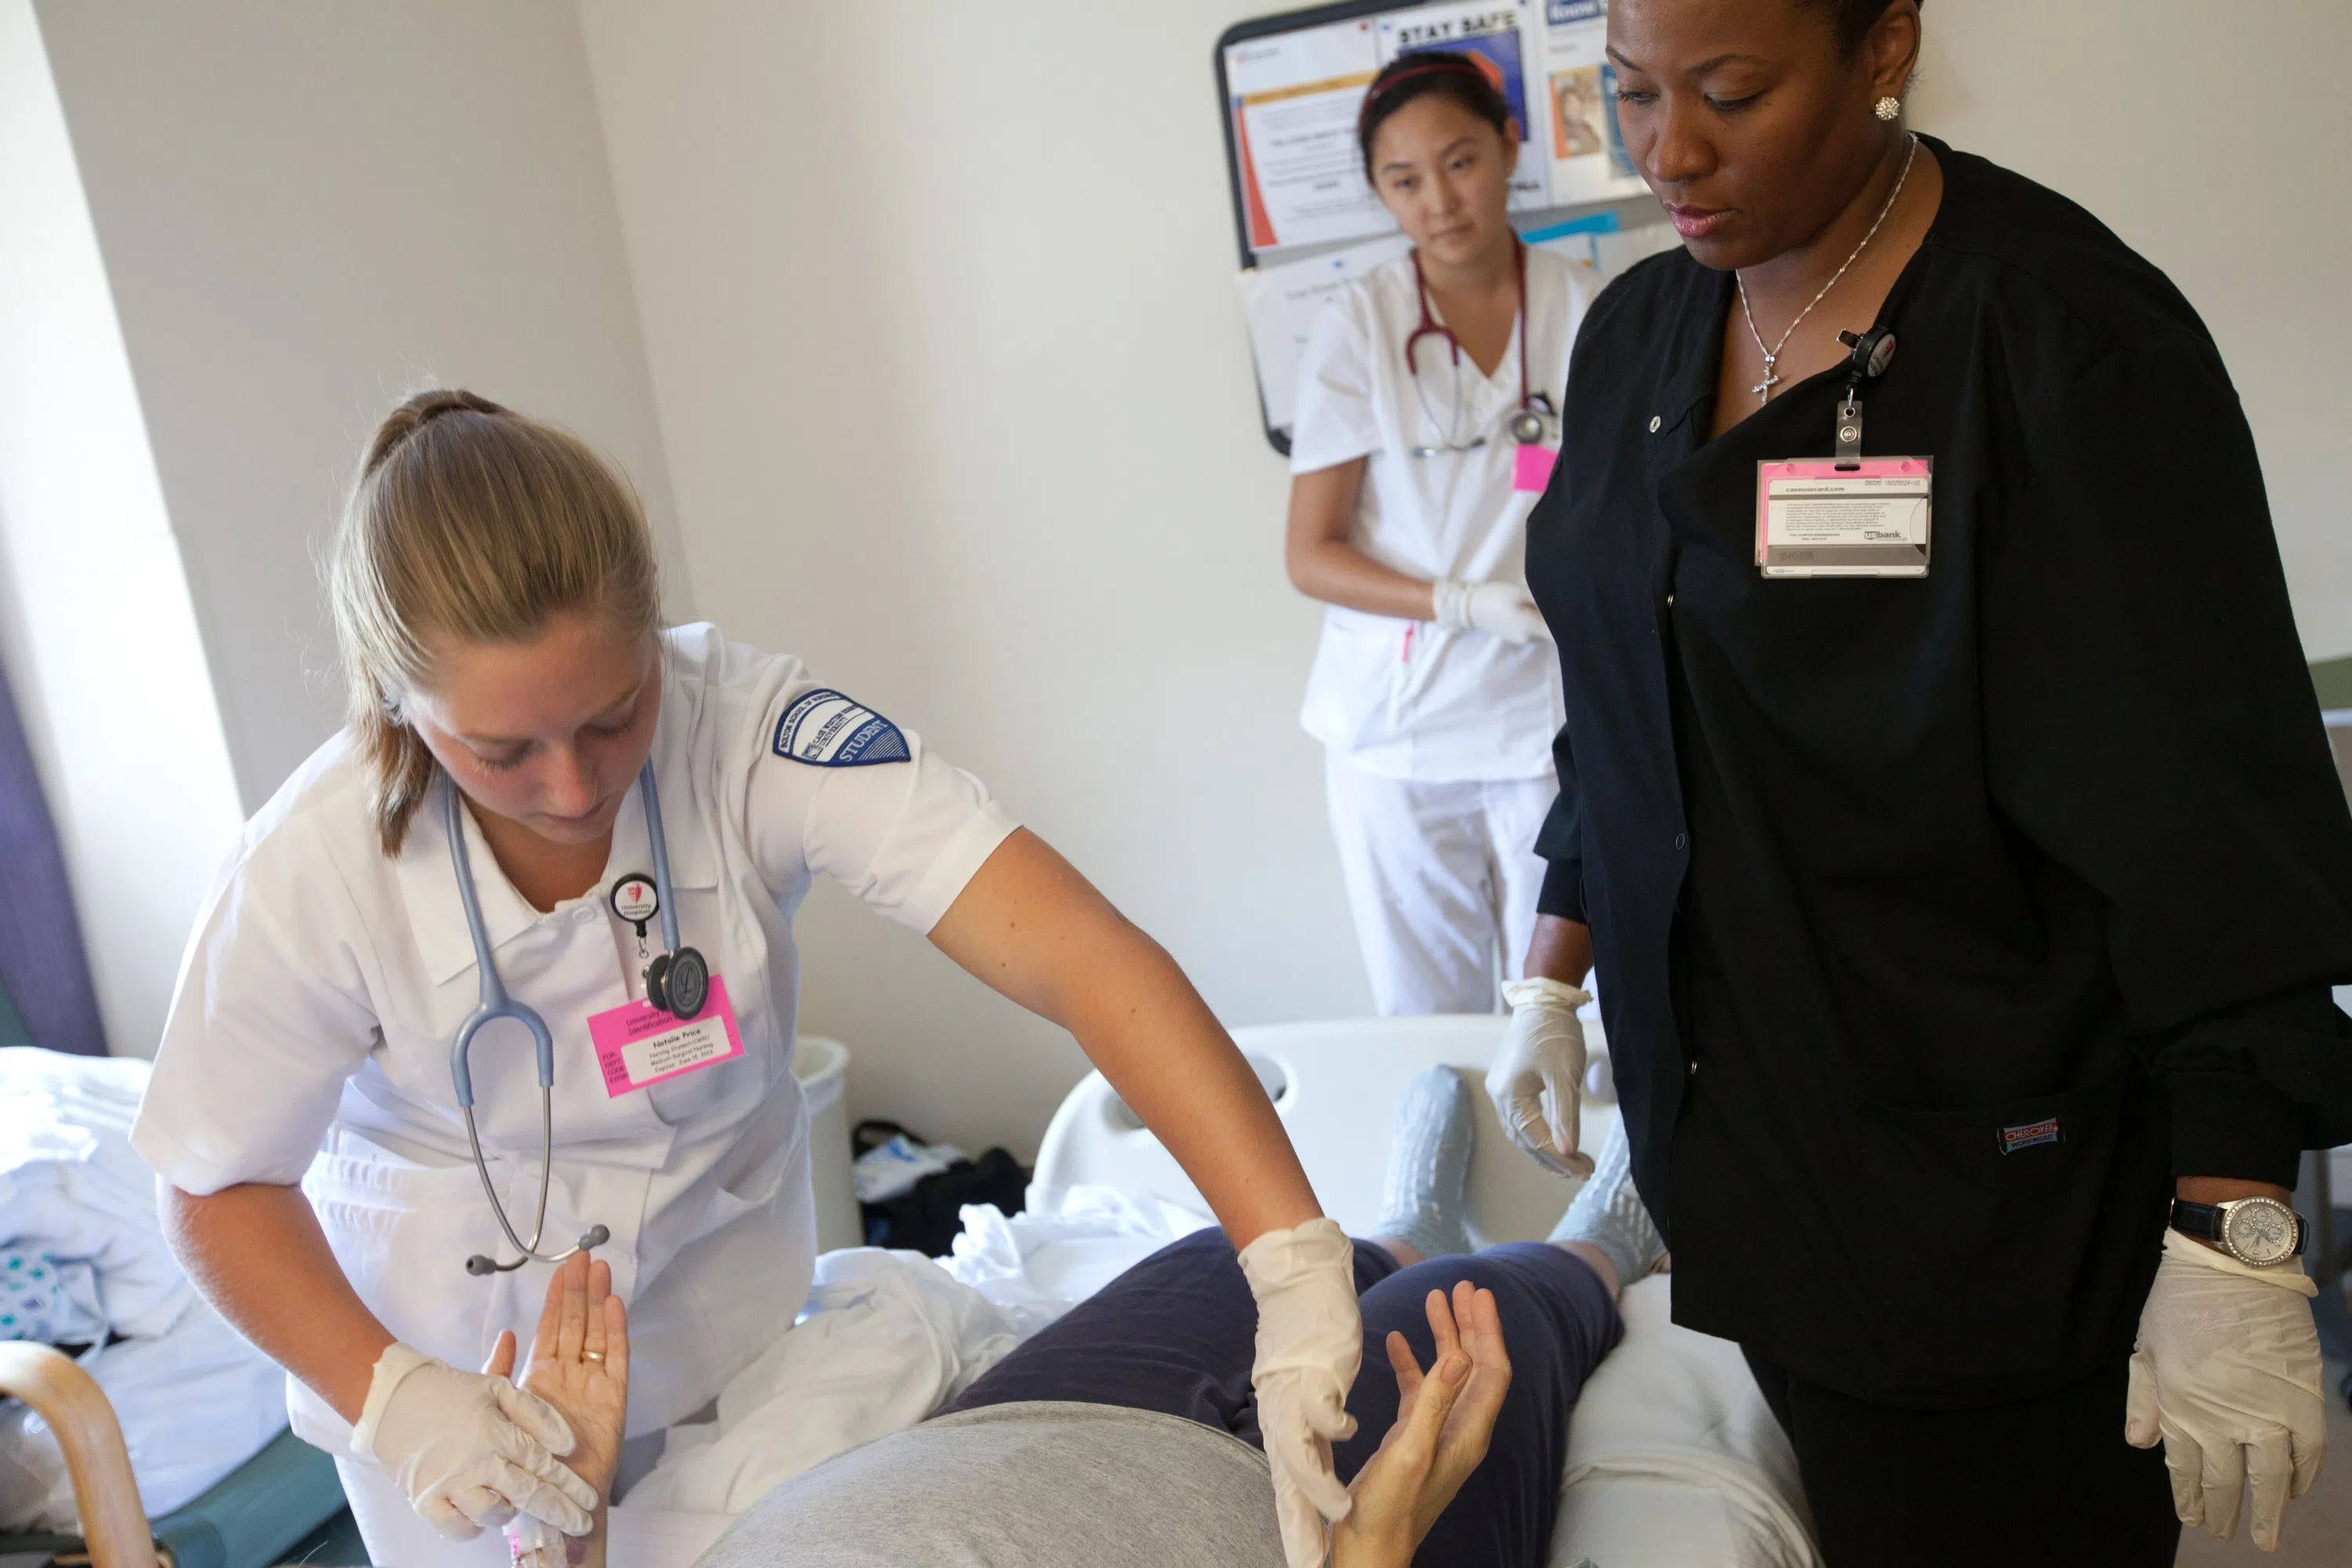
<point>2259,1231</point>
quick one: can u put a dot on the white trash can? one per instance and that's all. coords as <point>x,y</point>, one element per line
<point>822,1068</point>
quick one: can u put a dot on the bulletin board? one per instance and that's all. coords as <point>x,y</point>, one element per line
<point>1288,89</point>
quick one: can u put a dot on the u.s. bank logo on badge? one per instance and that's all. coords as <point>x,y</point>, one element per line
<point>826,730</point>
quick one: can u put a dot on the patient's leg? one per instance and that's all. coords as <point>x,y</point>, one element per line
<point>1559,1317</point>
<point>1176,1333</point>
<point>1558,1302</point>
<point>1608,1226</point>
<point>1425,1189</point>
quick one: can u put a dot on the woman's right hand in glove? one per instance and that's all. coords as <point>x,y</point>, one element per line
<point>1499,609</point>
<point>471,1451</point>
<point>1539,1073</point>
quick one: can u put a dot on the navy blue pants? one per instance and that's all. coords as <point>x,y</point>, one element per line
<point>1176,1334</point>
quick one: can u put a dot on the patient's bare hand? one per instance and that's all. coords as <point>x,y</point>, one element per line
<point>1442,1425</point>
<point>579,1364</point>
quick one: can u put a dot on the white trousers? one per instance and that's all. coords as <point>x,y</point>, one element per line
<point>397,1537</point>
<point>1443,880</point>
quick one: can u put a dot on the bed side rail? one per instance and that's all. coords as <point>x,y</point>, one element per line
<point>106,1494</point>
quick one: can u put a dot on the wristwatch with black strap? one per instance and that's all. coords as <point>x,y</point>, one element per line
<point>2258,1232</point>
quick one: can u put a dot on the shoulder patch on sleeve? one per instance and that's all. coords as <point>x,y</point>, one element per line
<point>826,730</point>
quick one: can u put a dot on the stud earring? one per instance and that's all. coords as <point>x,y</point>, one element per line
<point>1888,107</point>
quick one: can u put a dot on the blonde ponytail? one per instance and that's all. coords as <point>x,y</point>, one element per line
<point>471,523</point>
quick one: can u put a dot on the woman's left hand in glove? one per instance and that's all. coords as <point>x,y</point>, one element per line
<point>2226,1374</point>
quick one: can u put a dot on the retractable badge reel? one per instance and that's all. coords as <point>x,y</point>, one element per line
<point>686,1023</point>
<point>678,981</point>
<point>1846,516</point>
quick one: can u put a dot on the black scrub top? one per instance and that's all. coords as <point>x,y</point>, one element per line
<point>1939,923</point>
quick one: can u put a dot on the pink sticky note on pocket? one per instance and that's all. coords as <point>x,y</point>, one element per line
<point>1533,471</point>
<point>640,1044</point>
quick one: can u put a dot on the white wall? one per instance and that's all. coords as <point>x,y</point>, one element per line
<point>2212,139</point>
<point>940,306</point>
<point>940,312</point>
<point>306,211</point>
<point>96,631</point>
<point>940,328</point>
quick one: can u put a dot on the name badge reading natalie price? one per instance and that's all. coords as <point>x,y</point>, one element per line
<point>638,1044</point>
<point>1814,518</point>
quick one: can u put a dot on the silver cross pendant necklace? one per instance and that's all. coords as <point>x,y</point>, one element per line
<point>1763,389</point>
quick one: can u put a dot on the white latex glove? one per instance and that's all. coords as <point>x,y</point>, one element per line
<point>1538,1071</point>
<point>1310,1339</point>
<point>1502,609</point>
<point>2226,1374</point>
<point>471,1451</point>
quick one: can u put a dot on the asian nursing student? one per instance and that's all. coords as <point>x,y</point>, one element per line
<point>1427,419</point>
<point>1946,806</point>
<point>534,774</point>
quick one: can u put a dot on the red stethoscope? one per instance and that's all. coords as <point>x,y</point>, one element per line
<point>1532,418</point>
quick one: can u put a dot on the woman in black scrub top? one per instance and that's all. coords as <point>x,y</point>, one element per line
<point>1953,924</point>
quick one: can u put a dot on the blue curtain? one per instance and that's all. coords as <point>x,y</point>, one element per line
<point>43,969</point>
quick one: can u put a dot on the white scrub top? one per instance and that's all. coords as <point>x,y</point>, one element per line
<point>1410,699</point>
<point>309,1038</point>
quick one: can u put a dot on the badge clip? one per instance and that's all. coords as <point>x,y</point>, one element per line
<point>1849,431</point>
<point>1874,350</point>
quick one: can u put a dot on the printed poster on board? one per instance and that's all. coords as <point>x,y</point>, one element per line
<point>1588,161</point>
<point>1497,38</point>
<point>1293,98</point>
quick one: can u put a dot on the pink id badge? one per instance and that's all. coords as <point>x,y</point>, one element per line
<point>1868,517</point>
<point>640,1044</point>
<point>1532,467</point>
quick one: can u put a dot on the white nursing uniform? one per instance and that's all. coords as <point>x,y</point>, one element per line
<point>1438,743</point>
<point>309,1038</point>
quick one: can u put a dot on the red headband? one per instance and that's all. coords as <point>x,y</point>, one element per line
<point>1450,64</point>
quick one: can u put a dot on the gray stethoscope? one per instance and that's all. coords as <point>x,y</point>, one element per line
<point>678,981</point>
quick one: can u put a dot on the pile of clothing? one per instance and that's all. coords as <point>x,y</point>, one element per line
<point>886,1338</point>
<point>83,1265</point>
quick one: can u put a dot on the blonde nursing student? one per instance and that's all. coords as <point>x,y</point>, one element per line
<point>1426,420</point>
<point>536,900</point>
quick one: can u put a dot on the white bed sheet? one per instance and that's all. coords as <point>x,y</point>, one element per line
<point>1672,1456</point>
<point>889,1337</point>
<point>194,1398</point>
<point>1673,1461</point>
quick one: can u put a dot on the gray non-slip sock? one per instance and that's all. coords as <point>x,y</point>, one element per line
<point>1424,1194</point>
<point>1607,1212</point>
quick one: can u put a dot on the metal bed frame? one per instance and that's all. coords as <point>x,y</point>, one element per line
<point>251,1519</point>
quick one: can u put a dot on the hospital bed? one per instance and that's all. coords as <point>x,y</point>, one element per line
<point>1675,1461</point>
<point>253,1516</point>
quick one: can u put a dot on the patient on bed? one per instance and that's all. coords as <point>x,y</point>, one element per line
<point>1125,1432</point>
